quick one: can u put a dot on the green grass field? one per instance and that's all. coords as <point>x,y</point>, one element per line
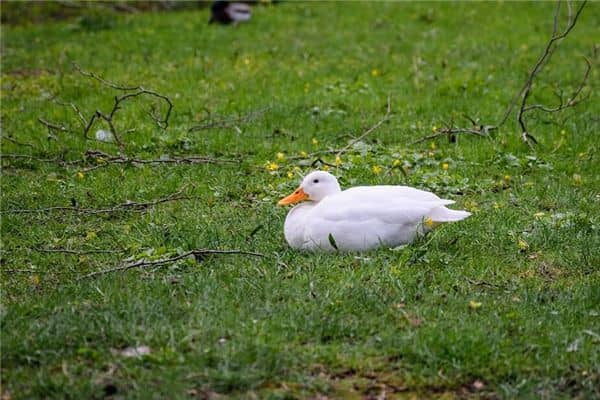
<point>505,304</point>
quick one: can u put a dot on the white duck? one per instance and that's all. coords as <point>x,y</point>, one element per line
<point>360,218</point>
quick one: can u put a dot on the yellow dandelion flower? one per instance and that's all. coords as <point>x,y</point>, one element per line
<point>428,222</point>
<point>290,174</point>
<point>271,166</point>
<point>246,61</point>
<point>433,146</point>
<point>445,166</point>
<point>376,169</point>
<point>80,175</point>
<point>314,141</point>
<point>474,305</point>
<point>522,245</point>
<point>280,156</point>
<point>396,163</point>
<point>338,160</point>
<point>375,72</point>
<point>325,168</point>
<point>91,235</point>
<point>471,205</point>
<point>434,128</point>
<point>506,178</point>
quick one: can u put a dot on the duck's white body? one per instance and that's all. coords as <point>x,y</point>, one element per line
<point>361,218</point>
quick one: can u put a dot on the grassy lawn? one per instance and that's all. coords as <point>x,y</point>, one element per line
<point>504,304</point>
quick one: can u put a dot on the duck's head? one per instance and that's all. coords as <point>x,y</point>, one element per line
<point>314,187</point>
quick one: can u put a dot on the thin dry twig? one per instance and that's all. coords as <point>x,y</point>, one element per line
<point>104,159</point>
<point>18,143</point>
<point>338,152</point>
<point>545,57</point>
<point>28,157</point>
<point>78,252</point>
<point>525,91</point>
<point>143,263</point>
<point>229,121</point>
<point>53,126</point>
<point>373,128</point>
<point>131,92</point>
<point>129,206</point>
<point>451,131</point>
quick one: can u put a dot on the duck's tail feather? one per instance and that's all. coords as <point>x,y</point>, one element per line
<point>443,214</point>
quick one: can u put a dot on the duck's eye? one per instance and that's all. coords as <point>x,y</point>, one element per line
<point>316,181</point>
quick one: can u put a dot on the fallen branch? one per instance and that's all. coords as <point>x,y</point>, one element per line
<point>228,122</point>
<point>77,252</point>
<point>129,206</point>
<point>451,131</point>
<point>131,92</point>
<point>143,263</point>
<point>53,126</point>
<point>27,156</point>
<point>385,118</point>
<point>524,93</point>
<point>9,139</point>
<point>338,152</point>
<point>103,159</point>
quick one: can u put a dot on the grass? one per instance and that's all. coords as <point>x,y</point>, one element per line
<point>503,304</point>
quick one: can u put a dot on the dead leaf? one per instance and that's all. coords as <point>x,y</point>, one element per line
<point>138,351</point>
<point>478,385</point>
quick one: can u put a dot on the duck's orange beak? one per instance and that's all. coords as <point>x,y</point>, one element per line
<point>295,197</point>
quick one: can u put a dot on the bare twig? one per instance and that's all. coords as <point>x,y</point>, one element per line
<point>144,263</point>
<point>78,252</point>
<point>547,53</point>
<point>523,94</point>
<point>129,206</point>
<point>104,159</point>
<point>18,143</point>
<point>229,121</point>
<point>53,126</point>
<point>109,118</point>
<point>385,118</point>
<point>482,283</point>
<point>451,131</point>
<point>338,152</point>
<point>28,157</point>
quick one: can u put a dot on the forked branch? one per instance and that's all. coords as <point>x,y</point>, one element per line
<point>523,95</point>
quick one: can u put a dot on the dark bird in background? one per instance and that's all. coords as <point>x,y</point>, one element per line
<point>227,12</point>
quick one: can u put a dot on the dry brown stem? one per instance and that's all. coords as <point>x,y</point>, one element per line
<point>338,152</point>
<point>373,128</point>
<point>144,263</point>
<point>104,159</point>
<point>229,121</point>
<point>524,93</point>
<point>129,206</point>
<point>78,252</point>
<point>131,92</point>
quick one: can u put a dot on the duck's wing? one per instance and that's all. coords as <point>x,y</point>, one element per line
<point>378,204</point>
